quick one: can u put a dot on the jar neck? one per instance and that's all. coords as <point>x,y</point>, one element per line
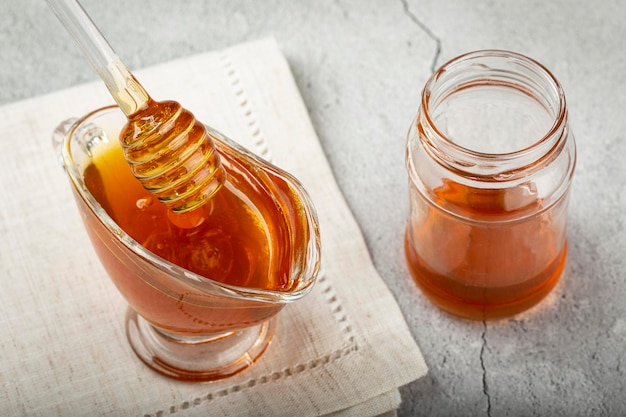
<point>492,116</point>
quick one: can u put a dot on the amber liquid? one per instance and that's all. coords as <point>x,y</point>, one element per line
<point>172,155</point>
<point>240,238</point>
<point>480,263</point>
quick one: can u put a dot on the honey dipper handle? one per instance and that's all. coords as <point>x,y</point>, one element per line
<point>124,88</point>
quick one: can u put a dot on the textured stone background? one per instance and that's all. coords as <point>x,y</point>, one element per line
<point>360,66</point>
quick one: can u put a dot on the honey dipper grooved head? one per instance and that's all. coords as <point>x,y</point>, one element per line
<point>172,155</point>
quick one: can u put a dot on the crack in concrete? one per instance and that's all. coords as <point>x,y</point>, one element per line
<point>482,365</point>
<point>426,30</point>
<point>433,67</point>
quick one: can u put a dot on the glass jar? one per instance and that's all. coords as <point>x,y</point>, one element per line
<point>490,158</point>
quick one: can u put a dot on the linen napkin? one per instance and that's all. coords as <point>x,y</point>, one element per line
<point>342,350</point>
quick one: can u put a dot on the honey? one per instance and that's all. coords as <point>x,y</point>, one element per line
<point>490,159</point>
<point>243,237</point>
<point>172,155</point>
<point>203,286</point>
<point>235,243</point>
<point>485,266</point>
<point>206,241</point>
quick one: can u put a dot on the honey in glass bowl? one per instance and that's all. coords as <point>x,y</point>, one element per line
<point>204,286</point>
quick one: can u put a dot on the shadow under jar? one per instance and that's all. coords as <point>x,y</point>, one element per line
<point>490,158</point>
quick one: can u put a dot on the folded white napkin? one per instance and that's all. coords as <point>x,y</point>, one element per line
<point>342,350</point>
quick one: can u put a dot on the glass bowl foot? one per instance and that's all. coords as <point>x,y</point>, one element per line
<point>198,358</point>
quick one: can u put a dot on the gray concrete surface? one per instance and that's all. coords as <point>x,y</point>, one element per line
<point>360,66</point>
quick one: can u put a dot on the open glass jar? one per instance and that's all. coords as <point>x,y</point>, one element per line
<point>490,158</point>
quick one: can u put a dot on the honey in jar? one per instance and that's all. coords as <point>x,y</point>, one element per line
<point>490,160</point>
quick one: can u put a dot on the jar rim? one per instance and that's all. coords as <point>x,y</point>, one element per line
<point>538,147</point>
